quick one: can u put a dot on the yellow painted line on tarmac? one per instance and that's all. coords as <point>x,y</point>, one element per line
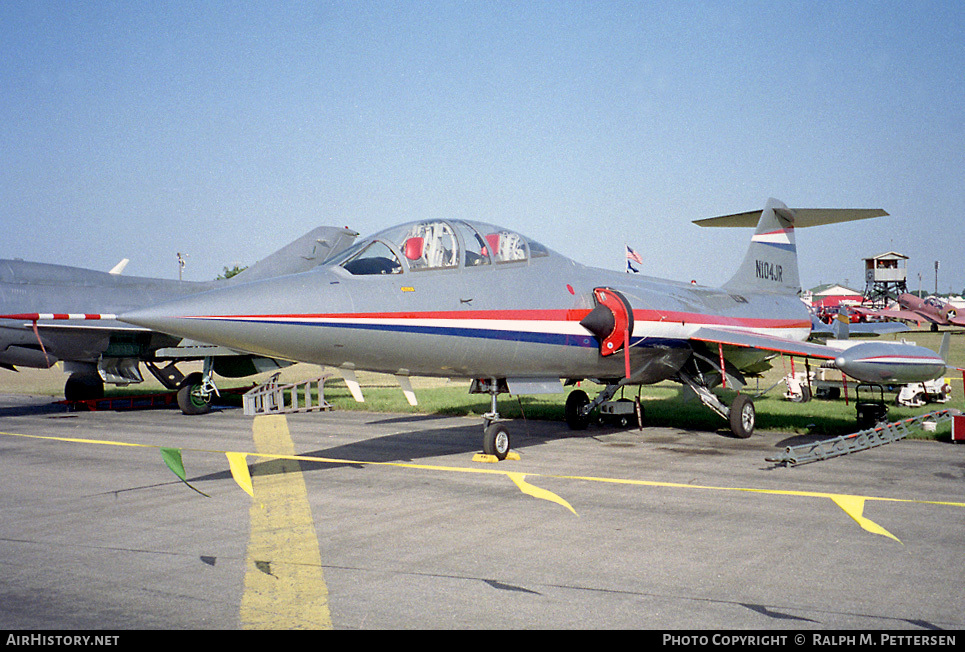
<point>853,505</point>
<point>530,490</point>
<point>284,583</point>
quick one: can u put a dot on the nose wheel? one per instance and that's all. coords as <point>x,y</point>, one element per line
<point>496,440</point>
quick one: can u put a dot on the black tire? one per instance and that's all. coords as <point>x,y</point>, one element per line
<point>575,403</point>
<point>743,416</point>
<point>189,398</point>
<point>83,387</point>
<point>496,440</point>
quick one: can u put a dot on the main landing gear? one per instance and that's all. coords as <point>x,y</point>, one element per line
<point>622,412</point>
<point>197,390</point>
<point>742,417</point>
<point>740,414</point>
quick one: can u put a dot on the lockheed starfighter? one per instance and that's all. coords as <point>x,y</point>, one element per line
<point>458,298</point>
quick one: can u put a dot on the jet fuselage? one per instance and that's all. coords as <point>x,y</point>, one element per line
<point>518,317</point>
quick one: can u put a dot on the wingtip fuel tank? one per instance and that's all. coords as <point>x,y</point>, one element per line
<point>886,362</point>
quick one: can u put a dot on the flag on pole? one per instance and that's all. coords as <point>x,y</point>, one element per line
<point>633,257</point>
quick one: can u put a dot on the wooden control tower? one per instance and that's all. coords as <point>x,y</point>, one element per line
<point>886,277</point>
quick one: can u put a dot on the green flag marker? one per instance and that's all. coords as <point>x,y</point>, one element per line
<point>172,457</point>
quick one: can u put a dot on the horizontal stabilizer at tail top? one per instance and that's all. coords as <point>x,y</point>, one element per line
<point>799,217</point>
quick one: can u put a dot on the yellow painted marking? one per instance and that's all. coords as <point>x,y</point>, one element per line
<point>536,492</point>
<point>853,507</point>
<point>284,584</point>
<point>492,459</point>
<point>846,502</point>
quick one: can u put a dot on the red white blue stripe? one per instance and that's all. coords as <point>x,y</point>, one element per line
<point>782,239</point>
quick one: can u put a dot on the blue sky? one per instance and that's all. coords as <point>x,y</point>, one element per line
<point>225,130</point>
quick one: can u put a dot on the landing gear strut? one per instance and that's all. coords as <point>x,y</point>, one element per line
<point>496,440</point>
<point>741,413</point>
<point>579,407</point>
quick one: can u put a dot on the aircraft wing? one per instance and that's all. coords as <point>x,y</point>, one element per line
<point>764,342</point>
<point>907,315</point>
<point>874,329</point>
<point>822,331</point>
<point>911,315</point>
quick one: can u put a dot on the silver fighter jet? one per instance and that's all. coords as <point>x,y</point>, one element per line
<point>456,298</point>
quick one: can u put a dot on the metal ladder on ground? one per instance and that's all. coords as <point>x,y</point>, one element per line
<point>272,398</point>
<point>862,440</point>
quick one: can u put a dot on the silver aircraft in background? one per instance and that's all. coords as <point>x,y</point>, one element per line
<point>456,298</point>
<point>106,350</point>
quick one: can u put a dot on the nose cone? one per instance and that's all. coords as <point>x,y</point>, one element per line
<point>841,362</point>
<point>183,317</point>
<point>250,318</point>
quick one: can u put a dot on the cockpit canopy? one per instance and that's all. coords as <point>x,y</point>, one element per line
<point>437,244</point>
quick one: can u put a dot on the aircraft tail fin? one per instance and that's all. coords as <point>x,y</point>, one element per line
<point>945,345</point>
<point>118,269</point>
<point>770,264</point>
<point>300,255</point>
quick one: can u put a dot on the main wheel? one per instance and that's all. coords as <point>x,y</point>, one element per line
<point>190,399</point>
<point>575,402</point>
<point>742,416</point>
<point>83,387</point>
<point>496,440</point>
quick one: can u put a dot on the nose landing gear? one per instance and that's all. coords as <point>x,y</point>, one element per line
<point>496,439</point>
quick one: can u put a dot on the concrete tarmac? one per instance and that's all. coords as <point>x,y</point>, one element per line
<point>376,521</point>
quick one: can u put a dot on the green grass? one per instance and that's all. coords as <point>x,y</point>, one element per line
<point>663,407</point>
<point>662,404</point>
